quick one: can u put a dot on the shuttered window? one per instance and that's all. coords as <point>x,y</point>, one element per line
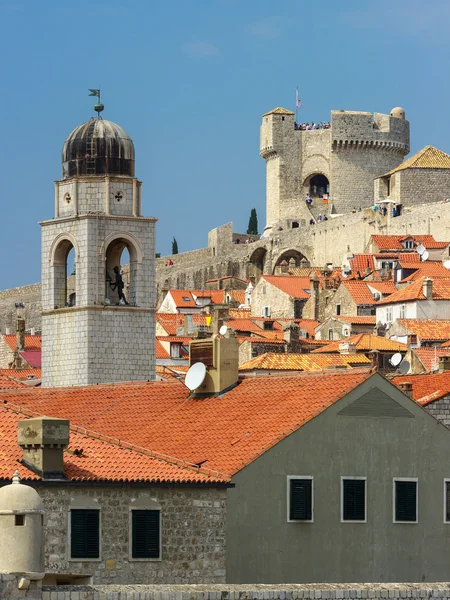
<point>447,501</point>
<point>145,529</point>
<point>85,533</point>
<point>406,501</point>
<point>353,499</point>
<point>300,500</point>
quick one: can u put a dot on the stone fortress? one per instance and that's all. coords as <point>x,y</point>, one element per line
<point>356,162</point>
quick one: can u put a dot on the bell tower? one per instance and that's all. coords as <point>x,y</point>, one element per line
<point>98,321</point>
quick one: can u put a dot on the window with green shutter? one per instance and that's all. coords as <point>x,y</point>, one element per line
<point>405,501</point>
<point>447,500</point>
<point>300,499</point>
<point>85,533</point>
<point>145,534</point>
<point>353,499</point>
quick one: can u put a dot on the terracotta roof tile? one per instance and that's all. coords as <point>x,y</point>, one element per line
<point>291,285</point>
<point>428,329</point>
<point>414,291</point>
<point>240,313</point>
<point>228,431</point>
<point>22,374</point>
<point>32,342</point>
<point>303,362</point>
<point>161,352</point>
<point>170,322</point>
<point>429,357</point>
<point>183,298</point>
<point>426,388</point>
<point>425,269</point>
<point>427,158</point>
<point>393,242</point>
<point>278,111</point>
<point>360,290</point>
<point>361,262</point>
<point>364,320</point>
<point>366,342</point>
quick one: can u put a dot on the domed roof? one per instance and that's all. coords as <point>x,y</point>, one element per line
<point>18,497</point>
<point>398,112</point>
<point>98,147</point>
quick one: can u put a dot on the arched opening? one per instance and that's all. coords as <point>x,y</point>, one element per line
<point>293,258</point>
<point>64,261</point>
<point>121,267</point>
<point>257,263</point>
<point>317,185</point>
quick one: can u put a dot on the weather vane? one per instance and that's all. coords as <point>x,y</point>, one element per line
<point>99,106</point>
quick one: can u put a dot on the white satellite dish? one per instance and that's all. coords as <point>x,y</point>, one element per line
<point>404,367</point>
<point>420,249</point>
<point>396,359</point>
<point>195,376</point>
<point>447,264</point>
<point>344,275</point>
<point>425,255</point>
<point>223,330</point>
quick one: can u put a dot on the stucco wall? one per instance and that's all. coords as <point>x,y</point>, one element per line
<point>327,448</point>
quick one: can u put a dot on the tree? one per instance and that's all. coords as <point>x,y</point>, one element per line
<point>253,223</point>
<point>174,246</point>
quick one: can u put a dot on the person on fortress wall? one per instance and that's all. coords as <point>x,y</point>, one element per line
<point>308,200</point>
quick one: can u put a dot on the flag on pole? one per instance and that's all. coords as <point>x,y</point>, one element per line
<point>298,102</point>
<point>94,93</point>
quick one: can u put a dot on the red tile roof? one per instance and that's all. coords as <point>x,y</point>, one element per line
<point>365,342</point>
<point>414,291</point>
<point>183,298</point>
<point>32,342</point>
<point>21,374</point>
<point>32,357</point>
<point>425,269</point>
<point>360,292</point>
<point>170,322</point>
<point>161,352</point>
<point>361,262</point>
<point>228,432</point>
<point>240,313</point>
<point>429,357</point>
<point>303,362</point>
<point>291,285</point>
<point>428,329</point>
<point>8,382</point>
<point>364,320</point>
<point>426,388</point>
<point>99,458</point>
<point>393,242</point>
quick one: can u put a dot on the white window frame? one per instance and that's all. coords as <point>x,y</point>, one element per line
<point>402,311</point>
<point>289,477</point>
<point>351,477</point>
<point>416,479</point>
<point>389,313</point>
<point>446,480</point>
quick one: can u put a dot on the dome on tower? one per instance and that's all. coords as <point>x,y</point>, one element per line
<point>398,112</point>
<point>98,147</point>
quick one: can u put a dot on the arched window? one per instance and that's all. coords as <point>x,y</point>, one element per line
<point>63,263</point>
<point>122,267</point>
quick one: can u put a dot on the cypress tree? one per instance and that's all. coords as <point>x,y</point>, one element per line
<point>174,246</point>
<point>253,223</point>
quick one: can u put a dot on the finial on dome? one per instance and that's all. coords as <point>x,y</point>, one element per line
<point>99,107</point>
<point>16,478</point>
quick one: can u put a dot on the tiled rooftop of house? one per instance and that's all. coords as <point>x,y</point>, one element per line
<point>227,432</point>
<point>32,342</point>
<point>170,322</point>
<point>428,329</point>
<point>426,388</point>
<point>293,286</point>
<point>94,457</point>
<point>22,374</point>
<point>303,362</point>
<point>361,262</point>
<point>427,158</point>
<point>394,242</point>
<point>365,342</point>
<point>363,320</point>
<point>414,291</point>
<point>429,357</point>
<point>361,294</point>
<point>425,269</point>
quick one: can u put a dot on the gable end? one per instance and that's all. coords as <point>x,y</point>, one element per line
<point>375,403</point>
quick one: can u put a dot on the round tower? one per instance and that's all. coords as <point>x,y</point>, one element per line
<point>98,323</point>
<point>21,530</point>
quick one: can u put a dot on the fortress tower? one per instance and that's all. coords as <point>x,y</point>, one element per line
<point>91,335</point>
<point>342,161</point>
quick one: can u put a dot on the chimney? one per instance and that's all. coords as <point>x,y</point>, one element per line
<point>220,355</point>
<point>444,363</point>
<point>43,440</point>
<point>347,348</point>
<point>407,388</point>
<point>291,334</point>
<point>221,314</point>
<point>314,286</point>
<point>428,288</point>
<point>32,331</point>
<point>20,334</point>
<point>188,325</point>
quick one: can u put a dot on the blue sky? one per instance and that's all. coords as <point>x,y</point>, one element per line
<point>189,81</point>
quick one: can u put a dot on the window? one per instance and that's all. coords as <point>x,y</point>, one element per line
<point>353,499</point>
<point>300,499</point>
<point>175,350</point>
<point>405,500</point>
<point>446,500</point>
<point>402,311</point>
<point>330,334</point>
<point>19,520</point>
<point>338,309</point>
<point>388,314</point>
<point>266,311</point>
<point>145,533</point>
<point>264,289</point>
<point>85,533</point>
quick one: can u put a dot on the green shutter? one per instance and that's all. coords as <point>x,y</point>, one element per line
<point>447,500</point>
<point>300,506</point>
<point>354,500</point>
<point>85,533</point>
<point>145,534</point>
<point>406,500</point>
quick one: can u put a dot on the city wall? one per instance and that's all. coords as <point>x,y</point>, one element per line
<point>321,243</point>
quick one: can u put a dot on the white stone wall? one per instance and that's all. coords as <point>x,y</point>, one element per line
<point>266,294</point>
<point>423,309</point>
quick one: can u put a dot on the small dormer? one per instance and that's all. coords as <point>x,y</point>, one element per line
<point>408,243</point>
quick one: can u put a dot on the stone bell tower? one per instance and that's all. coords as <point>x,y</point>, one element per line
<point>98,324</point>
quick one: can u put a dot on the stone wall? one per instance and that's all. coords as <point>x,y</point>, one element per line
<point>192,533</point>
<point>440,409</point>
<point>418,186</point>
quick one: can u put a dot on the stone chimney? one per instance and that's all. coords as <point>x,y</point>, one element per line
<point>314,286</point>
<point>407,388</point>
<point>43,440</point>
<point>20,334</point>
<point>347,348</point>
<point>444,363</point>
<point>428,288</point>
<point>221,315</point>
<point>291,333</point>
<point>220,355</point>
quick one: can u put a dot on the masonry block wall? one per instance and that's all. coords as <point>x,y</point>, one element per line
<point>440,410</point>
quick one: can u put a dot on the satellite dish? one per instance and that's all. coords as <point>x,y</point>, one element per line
<point>420,249</point>
<point>404,367</point>
<point>425,255</point>
<point>344,275</point>
<point>396,359</point>
<point>223,330</point>
<point>195,376</point>
<point>447,264</point>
